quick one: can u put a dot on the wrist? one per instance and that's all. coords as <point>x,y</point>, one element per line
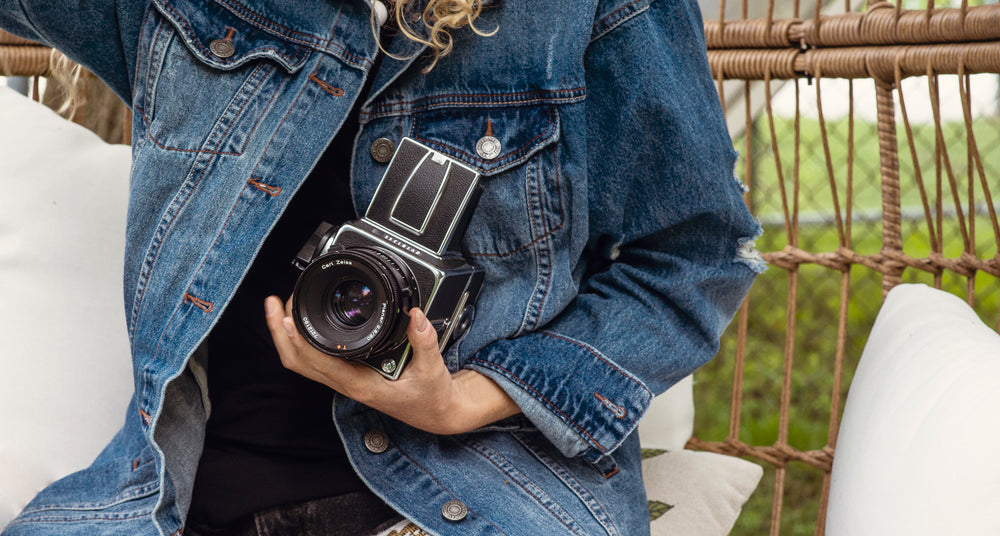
<point>479,401</point>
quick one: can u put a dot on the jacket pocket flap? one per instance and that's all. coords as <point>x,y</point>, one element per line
<point>491,140</point>
<point>220,39</point>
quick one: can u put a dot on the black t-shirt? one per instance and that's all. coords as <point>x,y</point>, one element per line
<point>270,439</point>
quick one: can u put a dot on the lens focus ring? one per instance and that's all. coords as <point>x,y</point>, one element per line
<point>349,302</point>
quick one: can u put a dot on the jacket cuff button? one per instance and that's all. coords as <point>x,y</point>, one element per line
<point>376,441</point>
<point>454,511</point>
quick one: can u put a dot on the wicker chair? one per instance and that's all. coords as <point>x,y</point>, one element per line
<point>945,235</point>
<point>950,240</point>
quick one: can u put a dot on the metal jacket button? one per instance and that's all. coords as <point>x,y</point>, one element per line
<point>488,147</point>
<point>382,150</point>
<point>222,48</point>
<point>376,441</point>
<point>454,511</point>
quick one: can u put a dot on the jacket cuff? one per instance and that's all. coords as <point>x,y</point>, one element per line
<point>581,400</point>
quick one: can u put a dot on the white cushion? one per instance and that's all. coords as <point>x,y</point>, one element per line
<point>697,493</point>
<point>669,421</point>
<point>917,451</point>
<point>65,374</point>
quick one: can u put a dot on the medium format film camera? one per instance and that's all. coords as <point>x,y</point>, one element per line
<point>359,281</point>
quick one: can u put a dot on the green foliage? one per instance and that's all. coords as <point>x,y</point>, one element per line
<point>657,509</point>
<point>649,453</point>
<point>817,305</point>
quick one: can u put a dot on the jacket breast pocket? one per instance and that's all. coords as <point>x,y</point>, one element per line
<point>515,149</point>
<point>204,80</point>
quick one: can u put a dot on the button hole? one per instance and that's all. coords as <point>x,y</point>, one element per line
<point>145,417</point>
<point>618,411</point>
<point>201,304</point>
<point>230,34</point>
<point>335,91</point>
<point>266,188</point>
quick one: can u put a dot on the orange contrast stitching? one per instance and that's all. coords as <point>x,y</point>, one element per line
<point>335,91</point>
<point>145,417</point>
<point>272,191</point>
<point>201,304</point>
<point>618,411</point>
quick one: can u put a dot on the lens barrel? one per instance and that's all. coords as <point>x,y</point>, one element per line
<point>353,302</point>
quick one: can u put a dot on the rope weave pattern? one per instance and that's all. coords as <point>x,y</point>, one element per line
<point>885,44</point>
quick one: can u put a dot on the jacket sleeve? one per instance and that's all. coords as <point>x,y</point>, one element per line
<point>670,238</point>
<point>101,35</point>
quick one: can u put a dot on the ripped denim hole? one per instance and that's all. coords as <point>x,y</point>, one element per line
<point>746,253</point>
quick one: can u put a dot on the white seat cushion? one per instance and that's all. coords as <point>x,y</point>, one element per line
<point>917,450</point>
<point>65,373</point>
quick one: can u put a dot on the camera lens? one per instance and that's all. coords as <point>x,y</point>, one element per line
<point>353,303</point>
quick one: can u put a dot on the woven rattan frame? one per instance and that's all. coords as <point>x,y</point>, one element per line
<point>20,57</point>
<point>884,43</point>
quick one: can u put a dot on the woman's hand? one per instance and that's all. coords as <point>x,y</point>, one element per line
<point>425,396</point>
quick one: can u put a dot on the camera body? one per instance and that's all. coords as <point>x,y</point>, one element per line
<point>359,281</point>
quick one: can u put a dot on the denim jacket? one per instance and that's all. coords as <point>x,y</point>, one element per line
<point>614,238</point>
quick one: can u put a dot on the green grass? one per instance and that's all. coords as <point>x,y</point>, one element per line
<point>817,305</point>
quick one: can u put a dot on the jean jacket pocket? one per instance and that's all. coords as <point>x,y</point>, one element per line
<point>515,149</point>
<point>205,62</point>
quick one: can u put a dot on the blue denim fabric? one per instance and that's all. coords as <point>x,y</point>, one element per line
<point>611,230</point>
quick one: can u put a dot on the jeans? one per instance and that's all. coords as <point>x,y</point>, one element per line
<point>351,514</point>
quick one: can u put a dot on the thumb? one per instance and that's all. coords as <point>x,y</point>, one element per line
<point>423,337</point>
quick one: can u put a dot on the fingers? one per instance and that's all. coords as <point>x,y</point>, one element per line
<point>281,332</point>
<point>299,356</point>
<point>423,341</point>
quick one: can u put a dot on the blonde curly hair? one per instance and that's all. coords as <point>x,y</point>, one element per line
<point>439,18</point>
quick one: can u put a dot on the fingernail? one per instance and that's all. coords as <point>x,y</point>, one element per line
<point>269,307</point>
<point>289,328</point>
<point>422,322</point>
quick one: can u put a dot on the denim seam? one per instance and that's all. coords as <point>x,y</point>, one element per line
<point>543,237</point>
<point>226,223</point>
<point>530,315</point>
<point>526,148</point>
<point>442,486</point>
<point>263,153</point>
<point>186,191</point>
<point>77,519</point>
<point>599,356</point>
<point>623,14</point>
<point>138,57</point>
<point>293,62</point>
<point>204,260</point>
<point>128,494</point>
<point>157,55</point>
<point>246,141</point>
<point>540,397</point>
<point>547,251</point>
<point>580,490</point>
<point>495,101</point>
<point>269,26</point>
<point>507,468</point>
